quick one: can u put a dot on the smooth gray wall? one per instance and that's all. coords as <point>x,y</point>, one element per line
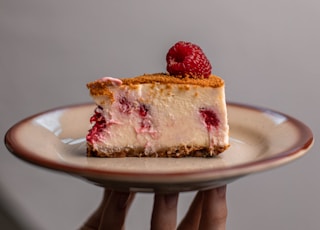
<point>268,52</point>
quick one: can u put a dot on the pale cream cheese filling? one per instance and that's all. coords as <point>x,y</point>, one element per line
<point>172,117</point>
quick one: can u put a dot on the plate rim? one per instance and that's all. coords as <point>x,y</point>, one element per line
<point>305,142</point>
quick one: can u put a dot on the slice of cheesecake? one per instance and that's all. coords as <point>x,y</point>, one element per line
<point>159,115</point>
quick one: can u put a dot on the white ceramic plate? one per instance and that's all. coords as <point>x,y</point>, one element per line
<point>261,139</point>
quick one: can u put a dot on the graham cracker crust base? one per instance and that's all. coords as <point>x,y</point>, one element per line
<point>175,152</point>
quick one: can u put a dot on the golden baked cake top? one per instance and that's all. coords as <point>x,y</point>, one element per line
<point>99,87</point>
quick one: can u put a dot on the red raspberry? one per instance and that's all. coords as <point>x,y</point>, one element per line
<point>209,117</point>
<point>187,59</point>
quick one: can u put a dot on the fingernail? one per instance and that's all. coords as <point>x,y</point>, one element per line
<point>222,191</point>
<point>171,200</point>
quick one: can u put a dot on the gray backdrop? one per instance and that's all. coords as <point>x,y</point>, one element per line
<point>268,52</point>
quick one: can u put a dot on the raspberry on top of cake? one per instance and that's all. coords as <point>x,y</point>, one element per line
<point>175,114</point>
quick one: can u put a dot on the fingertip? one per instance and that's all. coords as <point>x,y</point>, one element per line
<point>164,214</point>
<point>192,218</point>
<point>115,210</point>
<point>222,191</point>
<point>214,210</point>
<point>123,198</point>
<point>171,200</point>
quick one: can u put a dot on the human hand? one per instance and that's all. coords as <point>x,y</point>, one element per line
<point>207,211</point>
